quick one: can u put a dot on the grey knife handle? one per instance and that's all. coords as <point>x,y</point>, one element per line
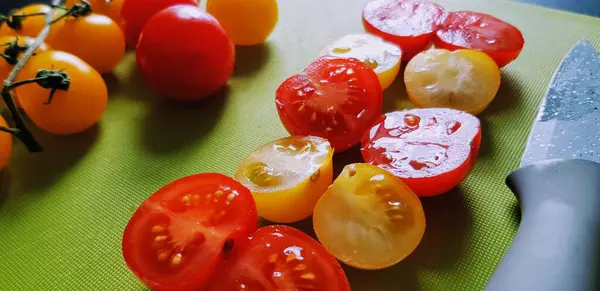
<point>557,246</point>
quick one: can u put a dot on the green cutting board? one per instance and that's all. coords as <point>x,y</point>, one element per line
<point>62,212</point>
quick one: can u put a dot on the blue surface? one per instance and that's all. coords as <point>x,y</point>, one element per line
<point>589,7</point>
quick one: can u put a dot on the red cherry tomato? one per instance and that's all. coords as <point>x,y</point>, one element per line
<point>135,14</point>
<point>185,54</point>
<point>282,258</point>
<point>408,23</point>
<point>465,29</point>
<point>179,235</point>
<point>335,98</point>
<point>432,150</point>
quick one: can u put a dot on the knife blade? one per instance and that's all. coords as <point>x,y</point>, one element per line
<point>557,245</point>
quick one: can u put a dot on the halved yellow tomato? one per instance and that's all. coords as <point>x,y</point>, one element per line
<point>466,80</point>
<point>368,218</point>
<point>288,176</point>
<point>383,57</point>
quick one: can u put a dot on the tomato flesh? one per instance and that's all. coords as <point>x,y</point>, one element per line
<point>178,236</point>
<point>432,150</point>
<point>368,218</point>
<point>282,258</point>
<point>465,29</point>
<point>335,98</point>
<point>185,54</point>
<point>409,24</point>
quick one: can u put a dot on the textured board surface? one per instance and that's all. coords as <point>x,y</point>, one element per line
<point>62,212</point>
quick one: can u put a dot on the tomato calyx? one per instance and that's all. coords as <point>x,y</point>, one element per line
<point>81,9</point>
<point>48,79</point>
<point>12,51</point>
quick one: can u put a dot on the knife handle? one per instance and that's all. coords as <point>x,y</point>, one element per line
<point>557,246</point>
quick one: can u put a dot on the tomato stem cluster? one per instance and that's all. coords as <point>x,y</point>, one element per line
<point>21,131</point>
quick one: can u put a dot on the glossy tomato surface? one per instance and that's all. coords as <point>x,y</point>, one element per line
<point>335,98</point>
<point>432,150</point>
<point>135,14</point>
<point>278,258</point>
<point>248,22</point>
<point>409,24</point>
<point>32,25</point>
<point>180,234</point>
<point>472,30</point>
<point>287,176</point>
<point>185,54</point>
<point>94,38</point>
<point>368,218</point>
<point>68,112</point>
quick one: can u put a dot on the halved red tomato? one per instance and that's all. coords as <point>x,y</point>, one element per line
<point>409,24</point>
<point>179,235</point>
<point>279,258</point>
<point>335,98</point>
<point>466,29</point>
<point>432,150</point>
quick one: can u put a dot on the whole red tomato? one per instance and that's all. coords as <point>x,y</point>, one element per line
<point>183,53</point>
<point>135,14</point>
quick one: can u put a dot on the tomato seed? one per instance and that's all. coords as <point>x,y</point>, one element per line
<point>300,267</point>
<point>308,276</point>
<point>157,228</point>
<point>176,260</point>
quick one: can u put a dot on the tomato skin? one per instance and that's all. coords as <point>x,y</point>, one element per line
<point>405,142</point>
<point>334,98</point>
<point>5,67</point>
<point>502,41</point>
<point>31,26</point>
<point>95,38</point>
<point>388,18</point>
<point>248,22</point>
<point>185,54</point>
<point>135,14</point>
<point>111,9</point>
<point>201,258</point>
<point>5,144</point>
<point>273,249</point>
<point>71,111</point>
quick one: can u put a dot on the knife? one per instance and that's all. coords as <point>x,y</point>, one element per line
<point>557,245</point>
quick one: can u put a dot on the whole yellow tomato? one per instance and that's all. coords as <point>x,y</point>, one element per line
<point>248,22</point>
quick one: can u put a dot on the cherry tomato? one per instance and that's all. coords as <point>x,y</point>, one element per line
<point>178,236</point>
<point>383,57</point>
<point>431,150</point>
<point>5,144</point>
<point>409,24</point>
<point>466,80</point>
<point>368,218</point>
<point>6,66</point>
<point>465,29</point>
<point>110,8</point>
<point>31,25</point>
<point>94,38</point>
<point>335,98</point>
<point>135,14</point>
<point>71,111</point>
<point>200,54</point>
<point>287,176</point>
<point>248,22</point>
<point>282,258</point>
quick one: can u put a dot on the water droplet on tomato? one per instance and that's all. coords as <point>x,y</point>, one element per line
<point>411,120</point>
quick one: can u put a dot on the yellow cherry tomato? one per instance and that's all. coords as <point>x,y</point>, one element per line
<point>71,111</point>
<point>368,218</point>
<point>110,8</point>
<point>31,25</point>
<point>95,38</point>
<point>383,57</point>
<point>247,22</point>
<point>5,144</point>
<point>466,80</point>
<point>288,176</point>
<point>5,66</point>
